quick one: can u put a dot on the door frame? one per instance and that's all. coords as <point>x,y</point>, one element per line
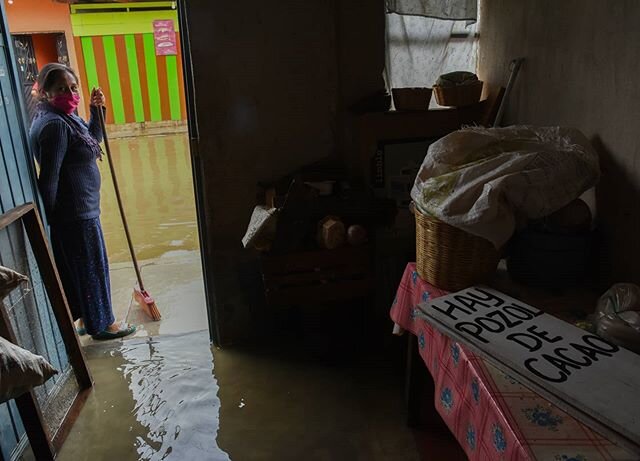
<point>206,254</point>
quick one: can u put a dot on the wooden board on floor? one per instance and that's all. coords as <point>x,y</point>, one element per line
<point>591,379</point>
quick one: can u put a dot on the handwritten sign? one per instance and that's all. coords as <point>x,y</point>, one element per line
<point>164,37</point>
<point>596,381</point>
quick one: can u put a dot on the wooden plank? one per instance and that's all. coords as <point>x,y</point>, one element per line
<point>114,78</point>
<point>163,87</point>
<point>589,378</point>
<point>118,22</point>
<point>142,69</point>
<point>82,74</point>
<point>90,67</point>
<point>134,76</point>
<point>103,74</point>
<point>153,84</point>
<point>15,214</point>
<point>173,85</point>
<point>492,106</point>
<point>13,142</point>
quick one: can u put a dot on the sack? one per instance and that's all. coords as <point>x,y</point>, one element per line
<point>261,229</point>
<point>9,280</point>
<point>21,370</point>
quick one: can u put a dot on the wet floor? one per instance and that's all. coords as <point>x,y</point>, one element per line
<point>156,183</point>
<point>154,399</point>
<point>173,398</point>
<point>155,178</point>
<point>156,395</point>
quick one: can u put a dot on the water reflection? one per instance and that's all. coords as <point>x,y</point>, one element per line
<point>154,174</point>
<point>170,410</point>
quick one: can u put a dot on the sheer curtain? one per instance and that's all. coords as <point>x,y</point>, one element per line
<point>421,45</point>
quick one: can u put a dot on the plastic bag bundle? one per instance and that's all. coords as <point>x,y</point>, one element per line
<point>486,181</point>
<point>617,315</point>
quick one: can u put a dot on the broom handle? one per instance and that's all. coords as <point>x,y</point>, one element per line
<point>119,198</point>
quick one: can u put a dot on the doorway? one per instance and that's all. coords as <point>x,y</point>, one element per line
<point>154,158</point>
<point>33,51</point>
<point>133,51</point>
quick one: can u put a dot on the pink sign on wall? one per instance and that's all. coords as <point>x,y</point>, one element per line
<point>164,36</point>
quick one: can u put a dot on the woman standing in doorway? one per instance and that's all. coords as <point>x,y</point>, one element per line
<point>66,148</point>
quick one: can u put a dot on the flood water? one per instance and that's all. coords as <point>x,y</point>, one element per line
<point>154,399</point>
<point>156,183</point>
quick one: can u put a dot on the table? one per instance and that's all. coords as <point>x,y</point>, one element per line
<point>492,416</point>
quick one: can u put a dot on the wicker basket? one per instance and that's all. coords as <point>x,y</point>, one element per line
<point>458,96</point>
<point>411,98</point>
<point>450,258</point>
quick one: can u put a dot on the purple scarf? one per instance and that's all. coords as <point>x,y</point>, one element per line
<point>77,125</point>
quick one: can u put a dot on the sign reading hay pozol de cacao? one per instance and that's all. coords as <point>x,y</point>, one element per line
<point>592,379</point>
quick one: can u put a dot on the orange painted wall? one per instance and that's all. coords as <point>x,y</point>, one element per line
<point>45,48</point>
<point>41,16</point>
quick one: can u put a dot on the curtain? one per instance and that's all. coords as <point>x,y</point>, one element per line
<point>419,49</point>
<point>441,9</point>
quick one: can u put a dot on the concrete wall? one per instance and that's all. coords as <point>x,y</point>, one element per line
<point>582,66</point>
<point>272,82</point>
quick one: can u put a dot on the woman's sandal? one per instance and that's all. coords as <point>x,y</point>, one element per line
<point>121,333</point>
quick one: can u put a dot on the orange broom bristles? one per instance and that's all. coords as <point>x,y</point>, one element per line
<point>147,304</point>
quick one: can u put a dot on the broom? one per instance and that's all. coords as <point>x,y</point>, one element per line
<point>142,297</point>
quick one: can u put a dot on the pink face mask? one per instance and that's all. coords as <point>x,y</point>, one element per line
<point>67,102</point>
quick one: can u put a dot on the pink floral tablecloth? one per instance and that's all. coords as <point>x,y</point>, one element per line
<point>492,416</point>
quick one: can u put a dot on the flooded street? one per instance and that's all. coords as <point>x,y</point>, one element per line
<point>154,174</point>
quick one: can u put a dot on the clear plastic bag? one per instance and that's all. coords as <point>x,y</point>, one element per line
<point>617,316</point>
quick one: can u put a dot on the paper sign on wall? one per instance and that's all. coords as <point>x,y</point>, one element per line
<point>587,376</point>
<point>164,37</point>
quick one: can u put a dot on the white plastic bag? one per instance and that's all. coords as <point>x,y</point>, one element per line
<point>487,180</point>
